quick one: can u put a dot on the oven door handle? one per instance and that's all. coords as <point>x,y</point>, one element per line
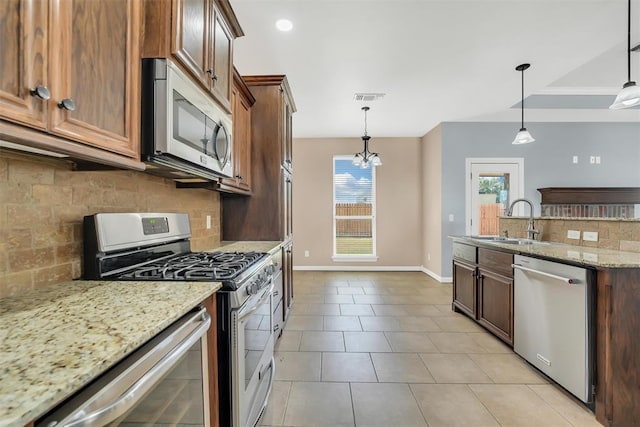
<point>242,315</point>
<point>103,412</point>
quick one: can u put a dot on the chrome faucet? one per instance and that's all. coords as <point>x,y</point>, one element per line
<point>531,231</point>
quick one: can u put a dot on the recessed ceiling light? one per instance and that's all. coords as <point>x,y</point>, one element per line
<point>284,25</point>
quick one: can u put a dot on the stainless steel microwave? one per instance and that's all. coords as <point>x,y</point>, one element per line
<point>184,132</point>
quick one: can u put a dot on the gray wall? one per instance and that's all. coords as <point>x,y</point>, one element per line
<point>547,161</point>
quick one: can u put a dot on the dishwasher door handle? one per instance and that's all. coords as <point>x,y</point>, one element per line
<point>567,280</point>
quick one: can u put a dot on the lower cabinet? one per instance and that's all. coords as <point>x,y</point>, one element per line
<point>287,274</point>
<point>483,288</point>
<point>464,288</point>
<point>212,360</point>
<point>495,304</point>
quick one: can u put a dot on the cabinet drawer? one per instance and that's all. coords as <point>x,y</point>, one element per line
<point>497,261</point>
<point>465,252</point>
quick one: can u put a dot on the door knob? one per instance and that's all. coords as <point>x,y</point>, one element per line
<point>67,104</point>
<point>41,92</point>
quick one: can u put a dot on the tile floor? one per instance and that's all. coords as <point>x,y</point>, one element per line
<point>385,349</point>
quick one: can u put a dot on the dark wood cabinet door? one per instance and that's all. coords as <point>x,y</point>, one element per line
<point>287,272</point>
<point>221,61</point>
<point>287,147</point>
<point>241,102</point>
<point>242,141</point>
<point>495,304</point>
<point>23,61</point>
<point>95,73</point>
<point>464,288</point>
<point>190,41</point>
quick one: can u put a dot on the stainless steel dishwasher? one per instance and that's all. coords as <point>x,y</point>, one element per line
<point>553,322</point>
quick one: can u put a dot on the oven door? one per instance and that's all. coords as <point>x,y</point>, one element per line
<point>162,383</point>
<point>253,357</point>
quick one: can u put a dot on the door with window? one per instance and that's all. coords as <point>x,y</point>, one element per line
<point>492,185</point>
<point>354,211</point>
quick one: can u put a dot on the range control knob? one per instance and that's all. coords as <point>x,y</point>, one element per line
<point>253,288</point>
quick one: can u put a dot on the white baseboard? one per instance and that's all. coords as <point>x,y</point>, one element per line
<point>436,276</point>
<point>357,268</point>
<point>373,268</point>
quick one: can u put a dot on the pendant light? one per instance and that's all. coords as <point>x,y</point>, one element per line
<point>365,158</point>
<point>523,136</point>
<point>629,96</point>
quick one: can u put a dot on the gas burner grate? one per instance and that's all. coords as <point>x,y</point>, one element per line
<point>197,266</point>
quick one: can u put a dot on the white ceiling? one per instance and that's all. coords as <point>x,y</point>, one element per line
<point>437,60</point>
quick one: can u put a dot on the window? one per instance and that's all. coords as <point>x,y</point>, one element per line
<point>354,211</point>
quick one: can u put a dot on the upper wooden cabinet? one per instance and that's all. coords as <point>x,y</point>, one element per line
<point>73,69</point>
<point>23,61</point>
<point>241,102</point>
<point>266,215</point>
<point>201,40</point>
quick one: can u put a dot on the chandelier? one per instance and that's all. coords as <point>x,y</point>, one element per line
<point>366,158</point>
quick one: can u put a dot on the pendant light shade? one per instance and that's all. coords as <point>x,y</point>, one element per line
<point>365,158</point>
<point>523,136</point>
<point>629,96</point>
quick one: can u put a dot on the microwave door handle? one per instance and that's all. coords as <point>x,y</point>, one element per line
<point>112,410</point>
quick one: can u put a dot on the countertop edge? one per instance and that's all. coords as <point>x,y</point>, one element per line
<point>577,255</point>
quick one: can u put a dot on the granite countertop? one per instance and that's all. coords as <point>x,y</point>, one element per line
<point>55,340</point>
<point>592,257</point>
<point>249,246</point>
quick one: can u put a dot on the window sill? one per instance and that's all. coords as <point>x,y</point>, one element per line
<point>354,258</point>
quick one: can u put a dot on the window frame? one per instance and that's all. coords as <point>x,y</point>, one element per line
<point>373,257</point>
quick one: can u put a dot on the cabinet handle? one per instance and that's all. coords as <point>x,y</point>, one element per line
<point>276,293</point>
<point>288,251</point>
<point>210,71</point>
<point>41,92</point>
<point>240,177</point>
<point>67,104</point>
<point>215,77</point>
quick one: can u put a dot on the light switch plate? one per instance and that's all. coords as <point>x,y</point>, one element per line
<point>208,222</point>
<point>573,234</point>
<point>590,236</point>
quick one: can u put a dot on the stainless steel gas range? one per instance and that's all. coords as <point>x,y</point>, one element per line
<point>156,246</point>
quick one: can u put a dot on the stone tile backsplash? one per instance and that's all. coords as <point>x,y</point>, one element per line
<point>589,211</point>
<point>619,234</point>
<point>42,203</point>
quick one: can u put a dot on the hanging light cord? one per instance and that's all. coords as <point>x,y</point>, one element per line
<point>522,104</point>
<point>629,42</point>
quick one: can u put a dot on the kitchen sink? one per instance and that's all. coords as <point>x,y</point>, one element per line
<point>509,240</point>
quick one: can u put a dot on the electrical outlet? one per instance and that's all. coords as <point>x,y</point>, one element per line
<point>450,217</point>
<point>592,160</point>
<point>597,160</point>
<point>573,234</point>
<point>306,254</point>
<point>428,257</point>
<point>208,222</point>
<point>590,236</point>
<point>575,159</point>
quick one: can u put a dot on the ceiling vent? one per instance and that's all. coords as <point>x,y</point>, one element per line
<point>368,97</point>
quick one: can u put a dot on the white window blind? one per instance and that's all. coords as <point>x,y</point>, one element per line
<point>354,208</point>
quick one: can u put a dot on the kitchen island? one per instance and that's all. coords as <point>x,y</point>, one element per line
<point>617,318</point>
<point>55,340</point>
